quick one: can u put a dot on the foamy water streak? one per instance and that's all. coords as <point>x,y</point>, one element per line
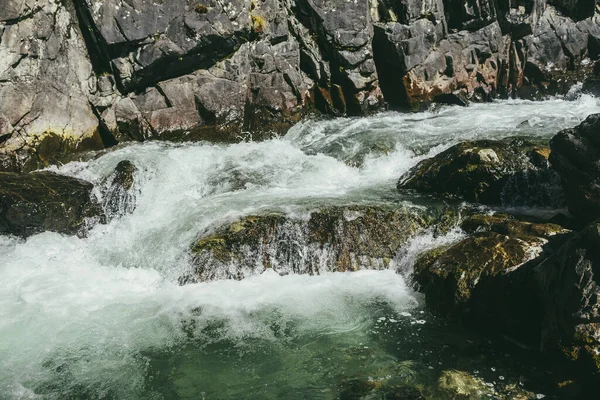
<point>98,303</point>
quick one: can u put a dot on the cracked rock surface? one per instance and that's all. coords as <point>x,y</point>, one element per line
<point>86,74</point>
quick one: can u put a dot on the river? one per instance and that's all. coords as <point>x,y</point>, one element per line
<point>103,316</point>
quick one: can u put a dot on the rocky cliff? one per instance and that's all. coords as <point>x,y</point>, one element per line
<point>87,74</point>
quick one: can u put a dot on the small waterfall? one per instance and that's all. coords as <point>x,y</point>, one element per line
<point>332,239</point>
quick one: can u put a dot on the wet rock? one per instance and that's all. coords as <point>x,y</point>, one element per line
<point>486,279</point>
<point>44,201</point>
<point>462,385</point>
<point>119,193</point>
<point>513,173</point>
<point>507,225</point>
<point>569,284</point>
<point>332,239</point>
<point>575,155</point>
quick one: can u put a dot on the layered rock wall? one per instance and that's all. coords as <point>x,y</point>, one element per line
<point>83,74</point>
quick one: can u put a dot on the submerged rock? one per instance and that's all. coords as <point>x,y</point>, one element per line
<point>119,193</point>
<point>575,155</point>
<point>462,385</point>
<point>514,173</point>
<point>367,388</point>
<point>331,239</point>
<point>45,201</point>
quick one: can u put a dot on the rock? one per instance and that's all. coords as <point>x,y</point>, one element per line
<point>462,385</point>
<point>148,42</point>
<point>557,52</point>
<point>569,285</point>
<point>466,280</point>
<point>332,239</point>
<point>343,35</point>
<point>507,225</point>
<point>119,193</point>
<point>362,388</point>
<point>575,155</point>
<point>45,80</point>
<point>44,201</point>
<point>81,75</point>
<point>513,173</point>
<point>576,9</point>
<point>259,88</point>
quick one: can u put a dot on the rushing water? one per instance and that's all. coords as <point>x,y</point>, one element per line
<point>104,317</point>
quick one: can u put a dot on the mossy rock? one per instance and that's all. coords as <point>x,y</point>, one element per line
<point>508,225</point>
<point>512,173</point>
<point>449,276</point>
<point>44,201</point>
<point>462,385</point>
<point>333,238</point>
<point>487,279</point>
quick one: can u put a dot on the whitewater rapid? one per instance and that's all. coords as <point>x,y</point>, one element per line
<point>96,304</point>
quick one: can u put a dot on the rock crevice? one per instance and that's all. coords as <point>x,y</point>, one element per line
<point>91,73</point>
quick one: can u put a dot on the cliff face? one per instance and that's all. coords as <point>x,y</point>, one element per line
<point>83,74</point>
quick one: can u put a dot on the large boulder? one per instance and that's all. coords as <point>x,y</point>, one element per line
<point>45,201</point>
<point>536,284</point>
<point>464,280</point>
<point>569,284</point>
<point>512,173</point>
<point>331,239</point>
<point>575,155</point>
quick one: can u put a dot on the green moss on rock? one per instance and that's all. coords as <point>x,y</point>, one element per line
<point>330,239</point>
<point>489,172</point>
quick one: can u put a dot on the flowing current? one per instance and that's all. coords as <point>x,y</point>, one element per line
<point>104,317</point>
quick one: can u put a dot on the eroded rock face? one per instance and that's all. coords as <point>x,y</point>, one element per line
<point>575,155</point>
<point>44,201</point>
<point>332,239</point>
<point>82,74</point>
<point>512,173</point>
<point>45,80</point>
<point>147,42</point>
